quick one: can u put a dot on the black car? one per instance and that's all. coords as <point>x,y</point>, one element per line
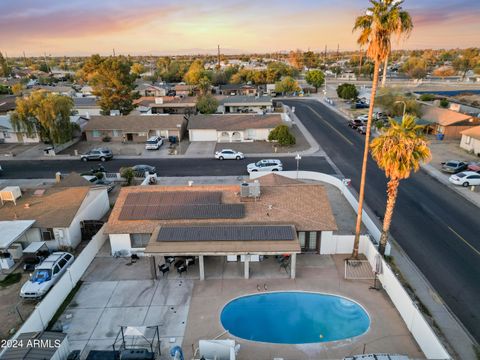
<point>354,124</point>
<point>102,154</point>
<point>140,170</point>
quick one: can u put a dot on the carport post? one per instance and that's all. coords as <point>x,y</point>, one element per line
<point>247,266</point>
<point>293,264</point>
<point>201,267</point>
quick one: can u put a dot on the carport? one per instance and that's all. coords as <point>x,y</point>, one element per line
<point>224,240</point>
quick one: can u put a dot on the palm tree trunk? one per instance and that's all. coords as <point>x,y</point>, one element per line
<point>392,191</point>
<point>384,76</point>
<point>361,194</point>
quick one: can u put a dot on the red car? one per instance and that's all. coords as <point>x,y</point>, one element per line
<point>474,167</point>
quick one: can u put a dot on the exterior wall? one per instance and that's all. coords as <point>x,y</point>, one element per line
<point>450,132</point>
<point>470,144</point>
<point>203,135</point>
<point>12,137</point>
<point>88,112</point>
<point>250,108</point>
<point>120,243</point>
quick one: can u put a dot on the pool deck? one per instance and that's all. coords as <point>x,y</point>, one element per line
<point>387,333</point>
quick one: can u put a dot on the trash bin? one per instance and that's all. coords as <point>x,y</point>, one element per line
<point>48,150</point>
<point>440,136</point>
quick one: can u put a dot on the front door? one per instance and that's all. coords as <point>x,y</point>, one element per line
<point>129,137</point>
<point>309,241</point>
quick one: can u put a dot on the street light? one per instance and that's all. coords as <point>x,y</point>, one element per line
<point>404,106</point>
<point>298,158</point>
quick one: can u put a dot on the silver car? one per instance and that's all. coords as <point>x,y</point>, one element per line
<point>229,154</point>
<point>46,275</point>
<point>265,165</point>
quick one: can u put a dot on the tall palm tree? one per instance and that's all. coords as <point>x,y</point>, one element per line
<point>398,150</point>
<point>381,20</point>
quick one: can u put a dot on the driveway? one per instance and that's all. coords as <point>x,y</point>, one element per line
<point>201,148</point>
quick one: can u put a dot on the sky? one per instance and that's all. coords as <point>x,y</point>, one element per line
<point>161,27</point>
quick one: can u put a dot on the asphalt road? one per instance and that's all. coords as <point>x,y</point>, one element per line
<point>437,228</point>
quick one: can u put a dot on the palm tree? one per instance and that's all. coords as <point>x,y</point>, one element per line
<point>398,150</point>
<point>382,19</point>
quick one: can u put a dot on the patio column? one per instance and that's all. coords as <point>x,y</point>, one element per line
<point>201,267</point>
<point>247,266</point>
<point>293,264</point>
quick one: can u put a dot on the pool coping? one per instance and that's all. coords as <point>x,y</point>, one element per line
<point>298,291</point>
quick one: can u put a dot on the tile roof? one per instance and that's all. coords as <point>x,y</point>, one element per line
<point>234,122</point>
<point>168,101</point>
<point>306,206</point>
<point>443,117</point>
<point>55,208</point>
<point>85,102</point>
<point>473,132</point>
<point>7,103</point>
<point>142,123</point>
<point>72,180</point>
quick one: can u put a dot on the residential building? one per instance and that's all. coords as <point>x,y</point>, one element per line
<point>86,106</point>
<point>232,128</point>
<point>237,89</point>
<point>184,90</point>
<point>447,122</point>
<point>135,128</point>
<point>272,216</point>
<point>151,90</point>
<point>7,104</point>
<point>8,134</point>
<point>246,104</point>
<point>470,140</point>
<point>174,105</point>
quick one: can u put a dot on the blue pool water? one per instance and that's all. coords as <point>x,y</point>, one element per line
<point>294,318</point>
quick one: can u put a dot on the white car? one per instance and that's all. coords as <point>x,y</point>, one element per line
<point>265,165</point>
<point>46,275</point>
<point>154,143</point>
<point>363,118</point>
<point>229,154</point>
<point>465,178</point>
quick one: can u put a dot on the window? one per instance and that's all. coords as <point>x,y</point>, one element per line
<point>6,135</point>
<point>312,241</point>
<point>301,238</point>
<point>139,240</point>
<point>117,133</point>
<point>467,139</point>
<point>68,257</point>
<point>62,262</point>
<point>47,234</point>
<point>56,269</point>
<point>96,133</point>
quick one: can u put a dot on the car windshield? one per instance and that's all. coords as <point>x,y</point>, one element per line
<point>41,275</point>
<point>152,141</point>
<point>451,164</point>
<point>461,175</point>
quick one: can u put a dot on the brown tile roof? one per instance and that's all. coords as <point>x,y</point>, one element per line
<point>234,122</point>
<point>142,123</point>
<point>273,179</point>
<point>55,208</point>
<point>168,101</point>
<point>72,180</point>
<point>443,117</point>
<point>473,132</point>
<point>306,206</point>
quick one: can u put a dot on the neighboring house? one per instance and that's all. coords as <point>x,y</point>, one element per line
<point>57,89</point>
<point>237,89</point>
<point>135,128</point>
<point>232,128</point>
<point>81,121</point>
<point>471,140</point>
<point>184,90</point>
<point>285,216</point>
<point>86,90</point>
<point>151,90</point>
<point>56,213</point>
<point>86,106</point>
<point>447,122</point>
<point>246,104</point>
<point>9,135</point>
<point>7,104</point>
<point>174,105</point>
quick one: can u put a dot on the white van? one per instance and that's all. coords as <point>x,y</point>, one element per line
<point>154,143</point>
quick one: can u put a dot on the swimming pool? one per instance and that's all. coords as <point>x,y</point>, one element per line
<point>294,317</point>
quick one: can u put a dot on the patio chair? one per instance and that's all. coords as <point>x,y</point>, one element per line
<point>181,269</point>
<point>285,264</point>
<point>190,261</point>
<point>179,263</point>
<point>164,269</point>
<point>169,259</point>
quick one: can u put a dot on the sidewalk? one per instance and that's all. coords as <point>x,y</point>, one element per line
<point>458,340</point>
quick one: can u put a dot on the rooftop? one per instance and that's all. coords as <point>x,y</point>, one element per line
<point>443,117</point>
<point>234,122</point>
<point>473,132</point>
<point>238,100</point>
<point>135,122</point>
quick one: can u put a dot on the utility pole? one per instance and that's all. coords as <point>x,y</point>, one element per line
<point>24,59</point>
<point>113,52</point>
<point>360,63</point>
<point>325,56</point>
<point>338,52</point>
<point>218,56</point>
<point>45,60</point>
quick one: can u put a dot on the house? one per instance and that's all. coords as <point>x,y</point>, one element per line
<point>7,104</point>
<point>9,135</point>
<point>86,106</point>
<point>271,216</point>
<point>237,89</point>
<point>471,140</point>
<point>245,104</point>
<point>56,213</point>
<point>55,89</point>
<point>135,128</point>
<point>232,128</point>
<point>174,105</point>
<point>151,90</point>
<point>447,122</point>
<point>184,90</point>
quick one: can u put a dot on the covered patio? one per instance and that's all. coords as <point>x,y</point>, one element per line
<point>171,246</point>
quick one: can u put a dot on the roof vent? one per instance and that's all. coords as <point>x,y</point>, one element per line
<point>250,190</point>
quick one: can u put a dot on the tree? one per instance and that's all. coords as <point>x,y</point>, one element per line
<point>398,151</point>
<point>128,174</point>
<point>444,103</point>
<point>415,67</point>
<point>276,69</point>
<point>379,23</point>
<point>287,86</point>
<point>282,135</point>
<point>17,89</point>
<point>45,114</point>
<point>89,69</point>
<point>204,85</point>
<point>394,103</point>
<point>295,58</point>
<point>468,60</point>
<point>444,71</point>
<point>137,69</point>
<point>347,91</point>
<point>113,83</point>
<point>316,78</point>
<point>195,73</point>
<point>310,60</point>
<point>207,104</point>
<point>4,68</point>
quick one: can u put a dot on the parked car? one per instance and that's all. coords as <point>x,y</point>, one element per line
<point>362,129</point>
<point>46,275</point>
<point>465,178</point>
<point>361,105</point>
<point>363,118</point>
<point>473,166</point>
<point>355,123</point>
<point>229,154</point>
<point>454,166</point>
<point>265,165</point>
<point>140,170</point>
<point>102,154</point>
<point>154,143</point>
<point>94,180</point>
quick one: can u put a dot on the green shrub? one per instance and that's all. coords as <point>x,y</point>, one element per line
<point>347,91</point>
<point>427,97</point>
<point>282,135</point>
<point>444,103</point>
<point>99,175</point>
<point>128,174</point>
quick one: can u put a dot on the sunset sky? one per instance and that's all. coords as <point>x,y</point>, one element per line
<point>82,27</point>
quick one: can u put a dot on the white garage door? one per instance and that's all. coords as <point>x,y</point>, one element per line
<point>203,135</point>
